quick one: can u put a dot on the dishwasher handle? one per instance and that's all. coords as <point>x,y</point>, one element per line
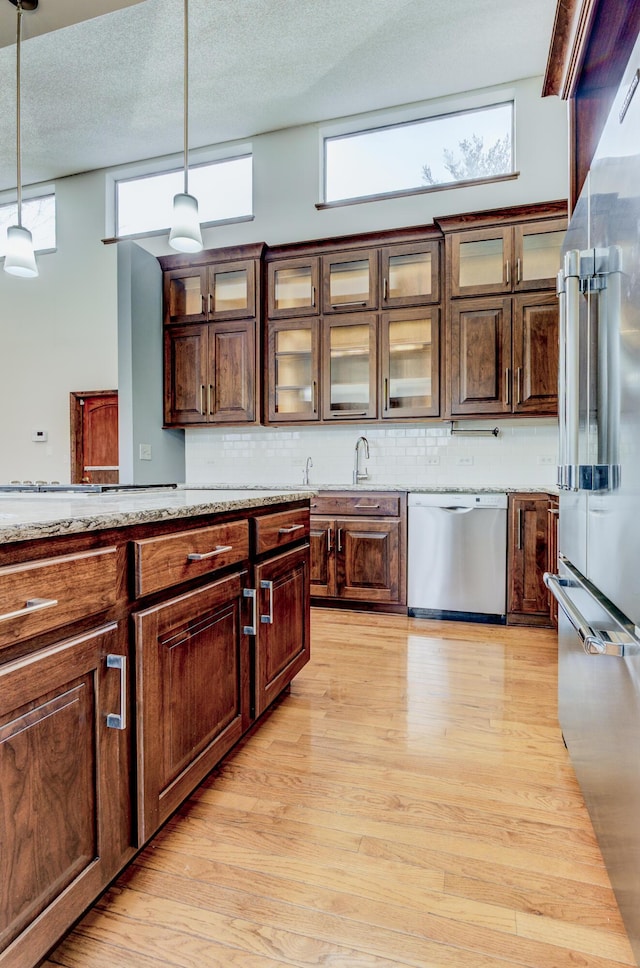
<point>454,509</point>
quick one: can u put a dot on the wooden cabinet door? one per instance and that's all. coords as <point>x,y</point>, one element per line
<point>322,572</point>
<point>410,274</point>
<point>231,383</point>
<point>535,353</point>
<point>527,595</point>
<point>349,367</point>
<point>185,295</point>
<point>368,559</point>
<point>192,674</point>
<point>480,356</point>
<point>231,290</point>
<point>410,363</point>
<point>282,644</point>
<point>293,370</point>
<point>480,262</point>
<point>186,378</point>
<point>65,774</point>
<point>293,287</point>
<point>537,251</point>
<point>350,281</point>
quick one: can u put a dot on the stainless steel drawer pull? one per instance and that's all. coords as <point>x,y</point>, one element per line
<point>349,303</point>
<point>194,556</point>
<point>268,619</point>
<point>366,507</point>
<point>349,413</point>
<point>31,605</point>
<point>251,593</point>
<point>294,527</point>
<point>115,720</point>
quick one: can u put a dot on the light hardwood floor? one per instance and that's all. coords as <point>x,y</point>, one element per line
<point>410,802</point>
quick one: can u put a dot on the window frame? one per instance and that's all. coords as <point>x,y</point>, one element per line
<point>404,118</point>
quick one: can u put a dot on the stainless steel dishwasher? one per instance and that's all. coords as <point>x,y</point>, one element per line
<point>457,562</point>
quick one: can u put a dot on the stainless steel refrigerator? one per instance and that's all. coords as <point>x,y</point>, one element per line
<point>598,581</point>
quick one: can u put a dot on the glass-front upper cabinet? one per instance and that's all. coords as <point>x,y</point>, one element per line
<point>293,365</point>
<point>410,363</point>
<point>410,274</point>
<point>538,248</point>
<point>350,281</point>
<point>481,261</point>
<point>215,292</point>
<point>232,290</point>
<point>349,371</point>
<point>293,287</point>
<point>185,295</point>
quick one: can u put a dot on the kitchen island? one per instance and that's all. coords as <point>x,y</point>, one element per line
<point>141,635</point>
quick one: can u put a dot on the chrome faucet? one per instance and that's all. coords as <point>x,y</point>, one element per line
<point>359,475</point>
<point>305,473</point>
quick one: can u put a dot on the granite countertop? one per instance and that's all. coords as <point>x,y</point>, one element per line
<point>372,486</point>
<point>31,516</point>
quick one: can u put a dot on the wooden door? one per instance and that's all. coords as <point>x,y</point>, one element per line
<point>322,573</point>
<point>368,559</point>
<point>65,809</point>
<point>94,437</point>
<point>410,274</point>
<point>535,353</point>
<point>538,247</point>
<point>480,356</point>
<point>231,368</point>
<point>293,370</point>
<point>410,363</point>
<point>186,378</point>
<point>192,674</point>
<point>527,595</point>
<point>232,290</point>
<point>292,287</point>
<point>480,262</point>
<point>185,295</point>
<point>282,641</point>
<point>349,367</point>
<point>350,281</point>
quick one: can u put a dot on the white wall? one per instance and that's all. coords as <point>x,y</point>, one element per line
<point>58,333</point>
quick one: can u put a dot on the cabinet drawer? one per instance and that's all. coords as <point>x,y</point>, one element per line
<point>37,596</point>
<point>280,529</point>
<point>372,505</point>
<point>175,558</point>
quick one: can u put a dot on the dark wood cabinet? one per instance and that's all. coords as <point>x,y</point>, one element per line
<point>293,287</point>
<point>359,554</point>
<point>293,370</point>
<point>212,363</point>
<point>283,635</point>
<point>65,775</point>
<point>192,685</point>
<point>350,280</point>
<point>410,274</point>
<point>210,373</point>
<point>350,366</point>
<point>503,355</point>
<point>527,560</point>
<point>410,363</point>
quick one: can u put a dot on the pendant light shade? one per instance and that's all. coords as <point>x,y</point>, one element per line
<point>185,235</point>
<point>20,259</point>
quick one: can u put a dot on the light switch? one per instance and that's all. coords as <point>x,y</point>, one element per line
<point>145,451</point>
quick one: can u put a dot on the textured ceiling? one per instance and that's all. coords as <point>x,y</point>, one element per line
<point>108,90</point>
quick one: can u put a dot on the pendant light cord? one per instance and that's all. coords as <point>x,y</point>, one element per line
<point>18,151</point>
<point>186,96</point>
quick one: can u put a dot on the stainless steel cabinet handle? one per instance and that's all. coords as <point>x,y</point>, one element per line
<point>329,545</point>
<point>385,288</point>
<point>210,304</point>
<point>518,270</point>
<point>518,384</point>
<point>349,303</point>
<point>251,593</point>
<point>268,619</point>
<point>592,642</point>
<point>209,397</point>
<point>294,527</point>
<point>203,405</point>
<point>386,393</point>
<point>218,550</point>
<point>519,529</point>
<point>203,305</point>
<point>339,548</point>
<point>313,297</point>
<point>119,720</point>
<point>314,388</point>
<point>368,507</point>
<point>349,413</point>
<point>507,386</point>
<point>31,605</point>
<point>507,267</point>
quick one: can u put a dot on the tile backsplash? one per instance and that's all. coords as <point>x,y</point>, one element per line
<point>523,455</point>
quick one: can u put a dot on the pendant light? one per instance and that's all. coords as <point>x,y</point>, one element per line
<point>185,234</point>
<point>20,259</point>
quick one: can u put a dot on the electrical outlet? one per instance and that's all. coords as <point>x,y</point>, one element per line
<point>464,461</point>
<point>546,459</point>
<point>432,461</point>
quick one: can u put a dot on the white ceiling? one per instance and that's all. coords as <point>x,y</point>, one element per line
<point>108,90</point>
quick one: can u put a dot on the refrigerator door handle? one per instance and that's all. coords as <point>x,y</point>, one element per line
<point>601,642</point>
<point>562,364</point>
<point>571,374</point>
